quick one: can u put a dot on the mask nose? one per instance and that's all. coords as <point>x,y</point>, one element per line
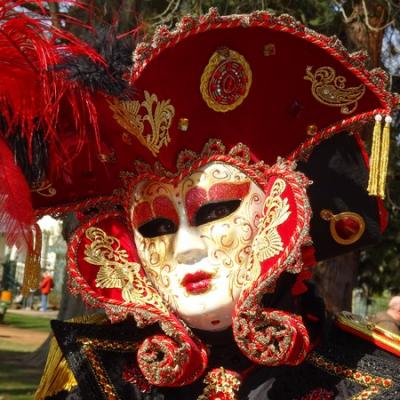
<point>189,246</point>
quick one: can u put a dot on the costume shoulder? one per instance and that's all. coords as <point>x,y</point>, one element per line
<point>94,359</point>
<point>345,366</point>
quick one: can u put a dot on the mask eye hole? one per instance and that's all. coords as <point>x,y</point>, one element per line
<point>157,227</point>
<point>214,211</point>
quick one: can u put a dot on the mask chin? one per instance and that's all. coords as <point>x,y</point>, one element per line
<point>213,320</point>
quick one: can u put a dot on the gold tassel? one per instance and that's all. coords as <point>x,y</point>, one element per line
<point>375,157</point>
<point>32,262</point>
<point>57,375</point>
<point>384,157</point>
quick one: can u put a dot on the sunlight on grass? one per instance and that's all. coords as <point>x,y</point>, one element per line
<point>18,381</point>
<point>27,322</point>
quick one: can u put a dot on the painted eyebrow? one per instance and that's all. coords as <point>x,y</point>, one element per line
<point>161,206</point>
<point>197,197</point>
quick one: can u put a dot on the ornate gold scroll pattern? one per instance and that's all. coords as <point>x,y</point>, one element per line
<point>158,114</point>
<point>117,272</point>
<point>331,90</point>
<point>268,242</point>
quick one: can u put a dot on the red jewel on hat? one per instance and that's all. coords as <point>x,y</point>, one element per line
<point>346,228</point>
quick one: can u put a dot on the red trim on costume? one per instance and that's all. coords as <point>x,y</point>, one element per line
<point>106,201</point>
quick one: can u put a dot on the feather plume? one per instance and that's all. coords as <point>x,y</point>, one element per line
<point>34,91</point>
<point>16,213</point>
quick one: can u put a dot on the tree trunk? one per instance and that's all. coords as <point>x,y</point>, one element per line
<point>335,279</point>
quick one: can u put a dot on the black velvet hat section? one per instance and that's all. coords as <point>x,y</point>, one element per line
<point>340,178</point>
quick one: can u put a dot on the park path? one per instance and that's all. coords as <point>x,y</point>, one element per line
<point>29,337</point>
<point>32,338</point>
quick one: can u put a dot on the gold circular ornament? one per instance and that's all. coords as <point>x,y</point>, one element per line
<point>346,228</point>
<point>226,80</point>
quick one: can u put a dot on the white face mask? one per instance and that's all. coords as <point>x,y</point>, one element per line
<point>194,238</point>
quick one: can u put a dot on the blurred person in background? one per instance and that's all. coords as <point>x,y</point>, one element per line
<point>46,285</point>
<point>389,319</point>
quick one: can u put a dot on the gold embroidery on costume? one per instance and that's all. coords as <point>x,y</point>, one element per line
<point>268,242</point>
<point>89,347</point>
<point>117,272</point>
<point>44,189</point>
<point>331,90</point>
<point>221,384</point>
<point>374,384</point>
<point>159,115</point>
<point>226,80</point>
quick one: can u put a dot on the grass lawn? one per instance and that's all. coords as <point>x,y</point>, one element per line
<point>18,381</point>
<point>27,322</point>
<point>18,376</point>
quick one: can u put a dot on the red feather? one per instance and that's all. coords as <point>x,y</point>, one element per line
<point>16,213</point>
<point>32,91</point>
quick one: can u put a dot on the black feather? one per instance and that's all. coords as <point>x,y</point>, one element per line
<point>108,78</point>
<point>34,170</point>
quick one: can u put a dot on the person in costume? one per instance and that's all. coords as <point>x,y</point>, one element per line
<point>390,318</point>
<point>209,177</point>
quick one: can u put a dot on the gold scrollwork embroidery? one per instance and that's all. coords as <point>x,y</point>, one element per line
<point>45,189</point>
<point>331,90</point>
<point>159,115</point>
<point>268,242</point>
<point>90,348</point>
<point>117,272</point>
<point>221,384</point>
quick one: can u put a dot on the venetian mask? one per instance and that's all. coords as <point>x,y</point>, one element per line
<point>194,237</point>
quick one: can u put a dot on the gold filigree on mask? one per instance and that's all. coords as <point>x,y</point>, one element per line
<point>159,115</point>
<point>268,243</point>
<point>331,90</point>
<point>117,272</point>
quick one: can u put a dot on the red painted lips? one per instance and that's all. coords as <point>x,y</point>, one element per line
<point>197,283</point>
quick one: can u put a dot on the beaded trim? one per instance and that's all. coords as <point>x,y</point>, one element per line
<point>373,384</point>
<point>89,350</point>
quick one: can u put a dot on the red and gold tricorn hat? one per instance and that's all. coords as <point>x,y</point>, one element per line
<point>267,82</point>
